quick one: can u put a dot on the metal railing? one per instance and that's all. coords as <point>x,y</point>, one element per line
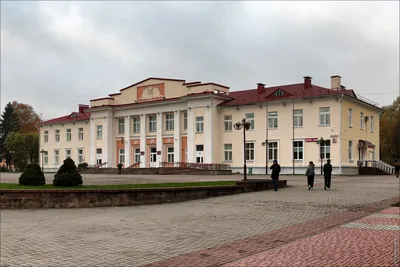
<point>135,165</point>
<point>191,165</point>
<point>383,166</point>
<point>96,166</point>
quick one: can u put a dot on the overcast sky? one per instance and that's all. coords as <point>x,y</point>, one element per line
<point>55,55</point>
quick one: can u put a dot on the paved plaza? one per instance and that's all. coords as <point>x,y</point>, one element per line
<point>350,224</point>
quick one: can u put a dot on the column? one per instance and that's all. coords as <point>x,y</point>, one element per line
<point>208,141</point>
<point>159,138</point>
<point>190,135</point>
<point>92,138</point>
<point>177,136</point>
<point>127,138</point>
<point>109,140</point>
<point>143,152</point>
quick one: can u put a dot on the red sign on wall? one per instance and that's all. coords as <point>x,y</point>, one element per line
<point>311,139</point>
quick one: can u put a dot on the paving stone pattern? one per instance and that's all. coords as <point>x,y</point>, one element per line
<point>160,234</point>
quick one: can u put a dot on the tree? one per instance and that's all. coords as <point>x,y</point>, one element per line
<point>27,117</point>
<point>389,131</point>
<point>8,123</point>
<point>24,148</point>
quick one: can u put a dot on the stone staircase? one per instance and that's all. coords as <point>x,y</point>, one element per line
<point>374,167</point>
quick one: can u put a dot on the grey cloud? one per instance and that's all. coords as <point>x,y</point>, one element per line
<point>224,42</point>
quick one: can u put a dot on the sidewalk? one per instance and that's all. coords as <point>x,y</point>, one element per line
<point>370,241</point>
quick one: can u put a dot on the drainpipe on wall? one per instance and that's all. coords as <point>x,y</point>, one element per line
<point>340,136</point>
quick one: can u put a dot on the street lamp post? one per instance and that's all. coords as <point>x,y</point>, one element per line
<point>266,155</point>
<point>42,152</point>
<point>321,142</point>
<point>238,126</point>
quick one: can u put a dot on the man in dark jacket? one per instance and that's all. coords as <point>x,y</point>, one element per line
<point>276,169</point>
<point>327,174</point>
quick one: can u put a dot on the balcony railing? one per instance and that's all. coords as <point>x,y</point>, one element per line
<point>191,165</point>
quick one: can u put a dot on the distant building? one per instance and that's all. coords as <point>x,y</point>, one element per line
<point>166,120</point>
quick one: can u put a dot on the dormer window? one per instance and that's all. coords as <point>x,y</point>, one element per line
<point>279,93</point>
<point>73,115</point>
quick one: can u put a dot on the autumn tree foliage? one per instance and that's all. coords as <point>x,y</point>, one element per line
<point>390,132</point>
<point>27,117</point>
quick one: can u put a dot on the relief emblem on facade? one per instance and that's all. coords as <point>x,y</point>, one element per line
<point>151,92</point>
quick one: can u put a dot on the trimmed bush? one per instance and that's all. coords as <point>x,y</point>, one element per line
<point>32,175</point>
<point>67,175</point>
<point>4,169</point>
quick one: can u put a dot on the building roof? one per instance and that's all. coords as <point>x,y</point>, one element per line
<point>73,117</point>
<point>290,91</point>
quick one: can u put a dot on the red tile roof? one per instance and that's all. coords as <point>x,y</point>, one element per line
<point>291,91</point>
<point>74,116</point>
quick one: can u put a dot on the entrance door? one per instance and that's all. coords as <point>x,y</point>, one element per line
<point>99,155</point>
<point>153,157</point>
<point>136,155</point>
<point>199,154</point>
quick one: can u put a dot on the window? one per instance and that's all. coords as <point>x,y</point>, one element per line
<point>67,153</point>
<point>68,135</point>
<point>324,116</point>
<point>46,136</point>
<point>136,124</point>
<point>372,124</point>
<point>80,155</point>
<point>350,117</point>
<point>152,123</point>
<point>99,131</point>
<point>298,150</point>
<point>185,118</point>
<point>137,154</point>
<point>350,150</point>
<point>199,124</point>
<point>279,93</point>
<point>121,126</point>
<point>45,157</point>
<point>56,156</point>
<point>250,118</point>
<point>250,151</point>
<point>228,122</point>
<point>273,119</point>
<point>362,120</point>
<point>298,118</point>
<point>170,154</point>
<point>325,150</point>
<point>122,155</point>
<point>57,136</point>
<point>228,152</point>
<point>80,134</point>
<point>272,151</point>
<point>169,122</point>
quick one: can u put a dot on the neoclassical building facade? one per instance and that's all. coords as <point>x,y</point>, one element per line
<point>169,120</point>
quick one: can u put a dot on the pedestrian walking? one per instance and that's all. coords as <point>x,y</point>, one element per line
<point>327,174</point>
<point>397,169</point>
<point>276,169</point>
<point>310,173</point>
<point>119,168</point>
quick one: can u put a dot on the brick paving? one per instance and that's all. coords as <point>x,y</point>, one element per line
<point>336,247</point>
<point>208,232</point>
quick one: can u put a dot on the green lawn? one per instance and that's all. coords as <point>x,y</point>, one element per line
<point>117,186</point>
